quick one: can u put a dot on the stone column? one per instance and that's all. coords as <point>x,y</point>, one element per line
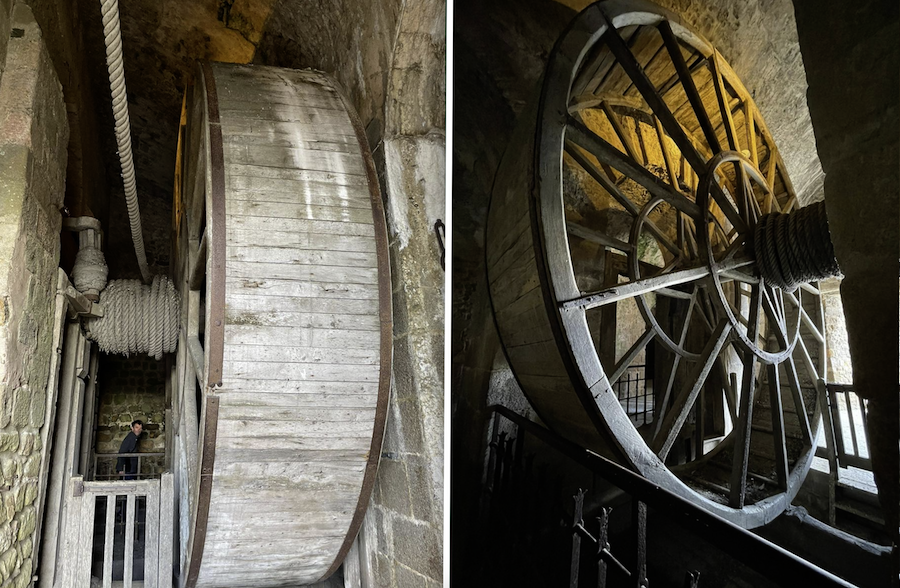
<point>850,53</point>
<point>33,138</point>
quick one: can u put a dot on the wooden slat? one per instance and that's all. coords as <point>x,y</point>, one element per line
<point>306,273</point>
<point>299,289</point>
<point>166,529</point>
<point>109,536</point>
<point>130,513</point>
<point>264,225</point>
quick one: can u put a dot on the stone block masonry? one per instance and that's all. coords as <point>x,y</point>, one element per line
<point>33,140</point>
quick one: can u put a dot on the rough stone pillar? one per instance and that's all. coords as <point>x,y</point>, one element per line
<point>33,139</point>
<point>405,519</point>
<point>850,52</point>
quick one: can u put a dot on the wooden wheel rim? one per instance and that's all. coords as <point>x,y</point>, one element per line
<point>588,377</point>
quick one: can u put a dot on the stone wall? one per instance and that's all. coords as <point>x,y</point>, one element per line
<point>131,388</point>
<point>404,526</point>
<point>33,139</point>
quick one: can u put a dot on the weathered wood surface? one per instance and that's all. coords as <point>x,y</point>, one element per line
<point>518,301</point>
<point>643,116</point>
<point>303,386</point>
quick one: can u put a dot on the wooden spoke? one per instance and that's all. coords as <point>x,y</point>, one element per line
<point>687,82</point>
<point>737,314</point>
<point>741,193</point>
<point>629,356</point>
<point>777,412</point>
<point>620,133</point>
<point>675,419</point>
<point>770,172</point>
<point>751,132</point>
<point>636,287</point>
<point>776,318</point>
<point>676,359</point>
<point>729,384</point>
<point>585,101</point>
<point>198,271</point>
<point>810,288</point>
<point>603,151</point>
<point>670,166</point>
<point>651,96</point>
<point>601,178</point>
<point>737,276</point>
<point>753,205</point>
<point>745,413</point>
<point>731,213</point>
<point>597,237</point>
<point>701,312</point>
<point>807,360</point>
<point>671,293</point>
<point>797,394</point>
<point>804,316</point>
<point>724,105</point>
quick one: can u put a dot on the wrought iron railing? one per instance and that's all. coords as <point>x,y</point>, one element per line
<point>634,395</point>
<point>105,466</point>
<point>508,468</point>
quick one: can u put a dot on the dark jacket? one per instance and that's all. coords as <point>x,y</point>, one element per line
<point>129,445</point>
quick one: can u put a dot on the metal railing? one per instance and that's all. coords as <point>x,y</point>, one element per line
<point>118,534</point>
<point>109,472</point>
<point>634,395</point>
<point>507,466</point>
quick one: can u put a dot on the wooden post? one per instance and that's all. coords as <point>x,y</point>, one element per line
<point>59,322</point>
<point>54,521</point>
<point>86,463</point>
<point>166,529</point>
<point>352,576</point>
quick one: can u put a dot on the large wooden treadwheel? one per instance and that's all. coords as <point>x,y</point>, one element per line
<point>285,348</point>
<point>620,234</point>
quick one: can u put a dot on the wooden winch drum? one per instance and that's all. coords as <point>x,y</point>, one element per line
<point>284,360</point>
<point>628,186</point>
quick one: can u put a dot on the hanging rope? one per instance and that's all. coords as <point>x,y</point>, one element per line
<point>137,318</point>
<point>112,36</point>
<point>795,248</point>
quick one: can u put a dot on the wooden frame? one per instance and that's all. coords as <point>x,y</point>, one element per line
<point>597,80</point>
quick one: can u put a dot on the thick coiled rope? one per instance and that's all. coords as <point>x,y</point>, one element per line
<point>137,318</point>
<point>795,248</point>
<point>112,36</point>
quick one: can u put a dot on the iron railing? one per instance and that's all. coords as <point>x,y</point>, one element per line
<point>108,460</point>
<point>634,395</point>
<point>508,466</point>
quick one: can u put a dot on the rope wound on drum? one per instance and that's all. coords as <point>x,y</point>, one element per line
<point>795,248</point>
<point>137,318</point>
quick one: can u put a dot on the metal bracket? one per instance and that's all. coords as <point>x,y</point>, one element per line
<point>439,231</point>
